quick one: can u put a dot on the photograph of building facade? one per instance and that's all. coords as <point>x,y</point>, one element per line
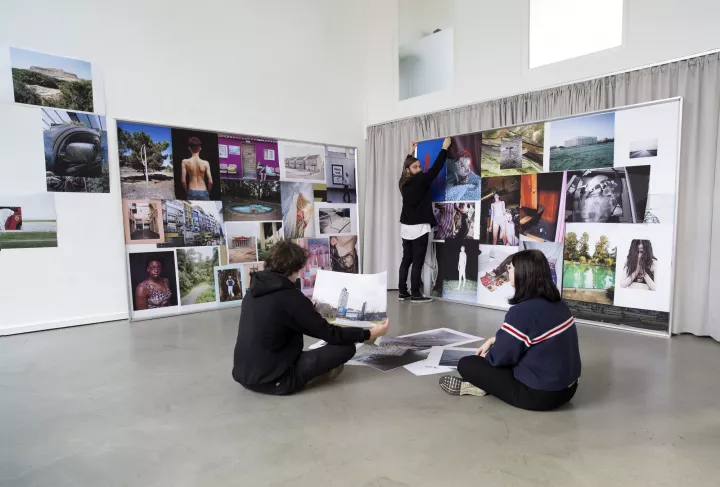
<point>312,163</point>
<point>581,140</point>
<point>143,221</point>
<point>173,218</point>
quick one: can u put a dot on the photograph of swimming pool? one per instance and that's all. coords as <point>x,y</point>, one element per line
<point>247,200</point>
<point>590,257</point>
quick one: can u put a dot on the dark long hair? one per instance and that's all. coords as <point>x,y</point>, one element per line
<point>646,261</point>
<point>533,278</point>
<point>409,161</point>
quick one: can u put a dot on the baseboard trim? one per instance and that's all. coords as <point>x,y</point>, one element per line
<point>87,320</point>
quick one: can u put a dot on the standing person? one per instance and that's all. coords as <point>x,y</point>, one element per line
<point>533,362</point>
<point>462,266</point>
<point>230,285</point>
<point>497,217</point>
<point>275,315</point>
<point>346,182</point>
<point>416,219</point>
<point>195,172</point>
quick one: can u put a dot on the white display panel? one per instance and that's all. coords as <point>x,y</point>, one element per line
<point>198,255</point>
<point>607,195</point>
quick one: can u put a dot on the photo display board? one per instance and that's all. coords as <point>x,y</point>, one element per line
<point>596,193</point>
<point>202,210</point>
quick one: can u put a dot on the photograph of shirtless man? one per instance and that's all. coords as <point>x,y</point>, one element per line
<point>197,171</point>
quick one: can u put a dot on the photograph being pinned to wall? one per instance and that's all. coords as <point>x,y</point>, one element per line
<point>228,284</point>
<point>318,259</point>
<point>612,195</point>
<point>53,81</point>
<point>344,254</point>
<point>301,162</point>
<point>196,274</point>
<point>340,173</point>
<point>298,205</point>
<point>351,299</point>
<point>590,254</point>
<point>153,280</point>
<point>500,211</point>
<point>76,152</point>
<point>513,151</point>
<point>196,169</point>
<point>146,163</point>
<point>463,168</point>
<point>494,288</point>
<point>582,142</point>
<point>244,157</point>
<point>242,241</point>
<point>427,151</point>
<point>460,273</point>
<point>336,219</point>
<point>142,220</point>
<point>248,200</point>
<point>28,221</point>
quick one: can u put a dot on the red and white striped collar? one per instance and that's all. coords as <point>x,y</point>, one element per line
<point>514,332</point>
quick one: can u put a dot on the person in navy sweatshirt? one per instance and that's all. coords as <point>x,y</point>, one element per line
<point>533,362</point>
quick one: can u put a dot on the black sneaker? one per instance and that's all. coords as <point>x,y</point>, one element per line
<point>403,296</point>
<point>420,299</point>
<point>455,386</point>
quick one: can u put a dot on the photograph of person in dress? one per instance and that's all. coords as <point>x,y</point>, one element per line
<point>298,202</point>
<point>640,267</point>
<point>500,210</point>
<point>344,254</point>
<point>153,279</point>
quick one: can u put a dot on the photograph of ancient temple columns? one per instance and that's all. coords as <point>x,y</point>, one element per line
<point>143,221</point>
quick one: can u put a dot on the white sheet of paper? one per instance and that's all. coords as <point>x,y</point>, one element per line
<point>422,368</point>
<point>435,355</point>
<point>359,324</point>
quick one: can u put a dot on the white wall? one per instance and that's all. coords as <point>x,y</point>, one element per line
<point>275,68</point>
<point>491,51</point>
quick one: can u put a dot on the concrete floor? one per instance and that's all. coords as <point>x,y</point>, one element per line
<point>152,404</point>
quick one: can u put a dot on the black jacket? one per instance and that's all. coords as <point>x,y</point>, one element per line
<point>417,205</point>
<point>274,317</point>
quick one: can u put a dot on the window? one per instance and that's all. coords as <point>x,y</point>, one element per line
<point>566,29</point>
<point>269,154</point>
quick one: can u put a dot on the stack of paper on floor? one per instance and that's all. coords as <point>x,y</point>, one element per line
<point>351,299</point>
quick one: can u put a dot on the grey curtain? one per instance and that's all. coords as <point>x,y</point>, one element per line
<point>696,305</point>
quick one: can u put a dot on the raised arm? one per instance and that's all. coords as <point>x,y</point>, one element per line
<point>439,162</point>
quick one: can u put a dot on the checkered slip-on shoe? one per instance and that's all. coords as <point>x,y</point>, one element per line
<point>455,386</point>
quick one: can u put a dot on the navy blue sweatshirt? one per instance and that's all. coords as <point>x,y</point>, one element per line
<point>540,342</point>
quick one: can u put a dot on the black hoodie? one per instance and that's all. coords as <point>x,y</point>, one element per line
<point>274,317</point>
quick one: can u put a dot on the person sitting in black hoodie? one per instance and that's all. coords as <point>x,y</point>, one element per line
<point>275,315</point>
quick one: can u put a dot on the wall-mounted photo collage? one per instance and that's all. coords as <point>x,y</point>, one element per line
<point>596,194</point>
<point>202,211</point>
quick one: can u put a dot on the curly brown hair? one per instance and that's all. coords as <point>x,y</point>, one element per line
<point>286,258</point>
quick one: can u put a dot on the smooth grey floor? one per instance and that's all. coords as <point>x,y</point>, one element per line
<point>152,404</point>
